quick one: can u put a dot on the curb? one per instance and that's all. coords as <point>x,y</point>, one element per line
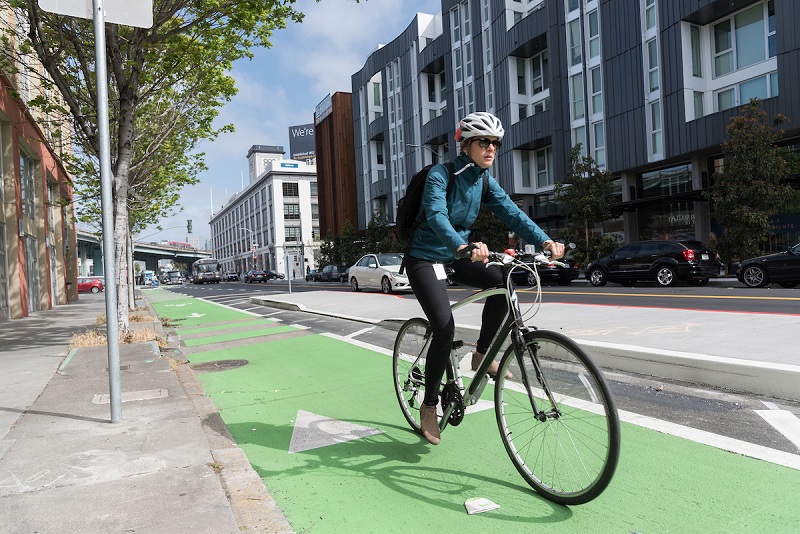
<point>252,506</point>
<point>732,374</point>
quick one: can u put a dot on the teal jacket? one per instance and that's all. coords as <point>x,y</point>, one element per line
<point>449,219</point>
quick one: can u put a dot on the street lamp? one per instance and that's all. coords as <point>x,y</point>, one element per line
<point>253,244</point>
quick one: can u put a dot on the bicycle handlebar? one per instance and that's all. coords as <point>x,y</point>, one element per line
<point>501,258</point>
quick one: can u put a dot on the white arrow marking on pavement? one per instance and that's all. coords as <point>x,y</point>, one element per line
<point>784,422</point>
<point>196,315</point>
<point>312,431</point>
<point>176,305</point>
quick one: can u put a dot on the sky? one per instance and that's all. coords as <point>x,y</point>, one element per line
<point>279,88</point>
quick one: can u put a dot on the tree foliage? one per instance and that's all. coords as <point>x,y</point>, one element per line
<point>345,249</point>
<point>376,238</point>
<point>751,186</point>
<point>489,229</point>
<point>584,199</point>
<point>165,85</point>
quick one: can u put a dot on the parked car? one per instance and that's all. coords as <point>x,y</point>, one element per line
<point>312,276</point>
<point>231,276</point>
<point>332,273</point>
<point>86,284</point>
<point>782,268</point>
<point>255,275</point>
<point>662,261</point>
<point>378,271</point>
<point>549,273</point>
<point>274,275</point>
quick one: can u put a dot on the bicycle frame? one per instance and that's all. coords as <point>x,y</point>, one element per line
<point>512,322</point>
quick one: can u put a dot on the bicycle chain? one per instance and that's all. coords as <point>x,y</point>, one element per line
<point>452,395</point>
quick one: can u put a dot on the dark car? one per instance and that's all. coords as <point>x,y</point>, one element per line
<point>333,273</point>
<point>95,285</point>
<point>782,268</point>
<point>255,276</point>
<point>549,273</point>
<point>312,276</point>
<point>662,261</point>
<point>273,275</point>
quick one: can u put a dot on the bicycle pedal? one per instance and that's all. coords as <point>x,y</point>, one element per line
<point>458,343</point>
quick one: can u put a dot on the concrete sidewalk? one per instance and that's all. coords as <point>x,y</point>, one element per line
<point>742,352</point>
<point>170,465</point>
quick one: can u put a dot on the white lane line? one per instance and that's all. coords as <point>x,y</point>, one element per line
<point>784,422</point>
<point>770,405</point>
<point>358,333</point>
<point>744,448</point>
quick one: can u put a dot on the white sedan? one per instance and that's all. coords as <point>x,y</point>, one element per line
<point>379,271</point>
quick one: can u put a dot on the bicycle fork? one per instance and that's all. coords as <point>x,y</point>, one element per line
<point>521,348</point>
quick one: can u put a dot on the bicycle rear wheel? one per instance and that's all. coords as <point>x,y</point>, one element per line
<point>567,449</point>
<point>408,364</point>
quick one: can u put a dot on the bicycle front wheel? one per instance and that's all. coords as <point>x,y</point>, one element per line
<point>557,419</point>
<point>408,363</point>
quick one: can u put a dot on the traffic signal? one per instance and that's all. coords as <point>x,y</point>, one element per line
<point>189,225</point>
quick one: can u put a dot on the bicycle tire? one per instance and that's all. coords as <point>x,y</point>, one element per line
<point>569,459</point>
<point>408,364</point>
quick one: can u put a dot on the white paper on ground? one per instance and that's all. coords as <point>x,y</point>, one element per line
<point>477,505</point>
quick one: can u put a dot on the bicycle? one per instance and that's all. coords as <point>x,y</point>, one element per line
<point>558,420</point>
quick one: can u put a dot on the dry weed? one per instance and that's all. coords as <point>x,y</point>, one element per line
<point>95,338</point>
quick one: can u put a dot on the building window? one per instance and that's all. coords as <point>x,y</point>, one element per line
<point>544,178</point>
<point>593,23</point>
<point>526,168</point>
<point>291,189</point>
<point>656,145</point>
<point>315,211</point>
<point>650,14</point>
<point>697,65</point>
<point>28,185</point>
<point>521,76</point>
<point>291,212</point>
<point>313,189</point>
<point>292,233</point>
<point>698,105</point>
<point>596,78</point>
<point>744,39</point>
<point>652,65</point>
<point>579,137</point>
<point>575,44</point>
<point>599,145</point>
<point>576,84</point>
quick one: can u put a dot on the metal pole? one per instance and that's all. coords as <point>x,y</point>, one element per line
<point>107,203</point>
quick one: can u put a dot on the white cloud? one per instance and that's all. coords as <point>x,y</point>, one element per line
<point>282,85</point>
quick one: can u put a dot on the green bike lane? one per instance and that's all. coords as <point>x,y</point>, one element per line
<point>318,420</point>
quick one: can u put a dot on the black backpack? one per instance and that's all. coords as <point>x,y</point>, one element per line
<point>408,207</point>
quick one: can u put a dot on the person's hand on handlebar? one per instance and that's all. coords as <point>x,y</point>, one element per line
<point>480,252</point>
<point>556,249</point>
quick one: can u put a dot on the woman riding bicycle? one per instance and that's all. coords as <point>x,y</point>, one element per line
<point>445,230</point>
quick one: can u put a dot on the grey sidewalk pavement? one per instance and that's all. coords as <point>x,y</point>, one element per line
<point>169,465</point>
<point>744,352</point>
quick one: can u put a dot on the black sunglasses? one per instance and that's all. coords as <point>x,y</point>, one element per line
<point>484,143</point>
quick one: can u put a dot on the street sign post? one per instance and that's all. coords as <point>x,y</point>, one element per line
<point>117,12</point>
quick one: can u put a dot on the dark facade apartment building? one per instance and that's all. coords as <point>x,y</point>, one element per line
<point>646,87</point>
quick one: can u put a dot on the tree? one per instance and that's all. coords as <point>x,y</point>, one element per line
<point>585,201</point>
<point>489,229</point>
<point>166,85</point>
<point>351,245</point>
<point>376,238</point>
<point>751,186</point>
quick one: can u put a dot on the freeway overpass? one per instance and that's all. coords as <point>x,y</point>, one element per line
<point>90,254</point>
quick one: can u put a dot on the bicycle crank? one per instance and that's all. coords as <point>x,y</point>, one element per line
<point>451,396</point>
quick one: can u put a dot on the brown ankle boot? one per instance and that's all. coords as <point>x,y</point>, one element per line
<point>477,357</point>
<point>429,423</point>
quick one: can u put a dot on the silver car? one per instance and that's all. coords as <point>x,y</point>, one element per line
<point>379,271</point>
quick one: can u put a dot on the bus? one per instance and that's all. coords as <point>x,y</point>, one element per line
<point>207,270</point>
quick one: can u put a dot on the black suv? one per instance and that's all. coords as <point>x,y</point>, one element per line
<point>665,262</point>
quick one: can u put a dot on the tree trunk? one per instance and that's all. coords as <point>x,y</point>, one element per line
<point>131,284</point>
<point>121,250</point>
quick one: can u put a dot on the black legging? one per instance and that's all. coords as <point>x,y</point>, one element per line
<point>432,296</point>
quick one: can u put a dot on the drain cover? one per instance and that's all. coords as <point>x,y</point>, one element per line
<point>220,365</point>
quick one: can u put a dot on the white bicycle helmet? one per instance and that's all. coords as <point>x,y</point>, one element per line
<point>479,124</point>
